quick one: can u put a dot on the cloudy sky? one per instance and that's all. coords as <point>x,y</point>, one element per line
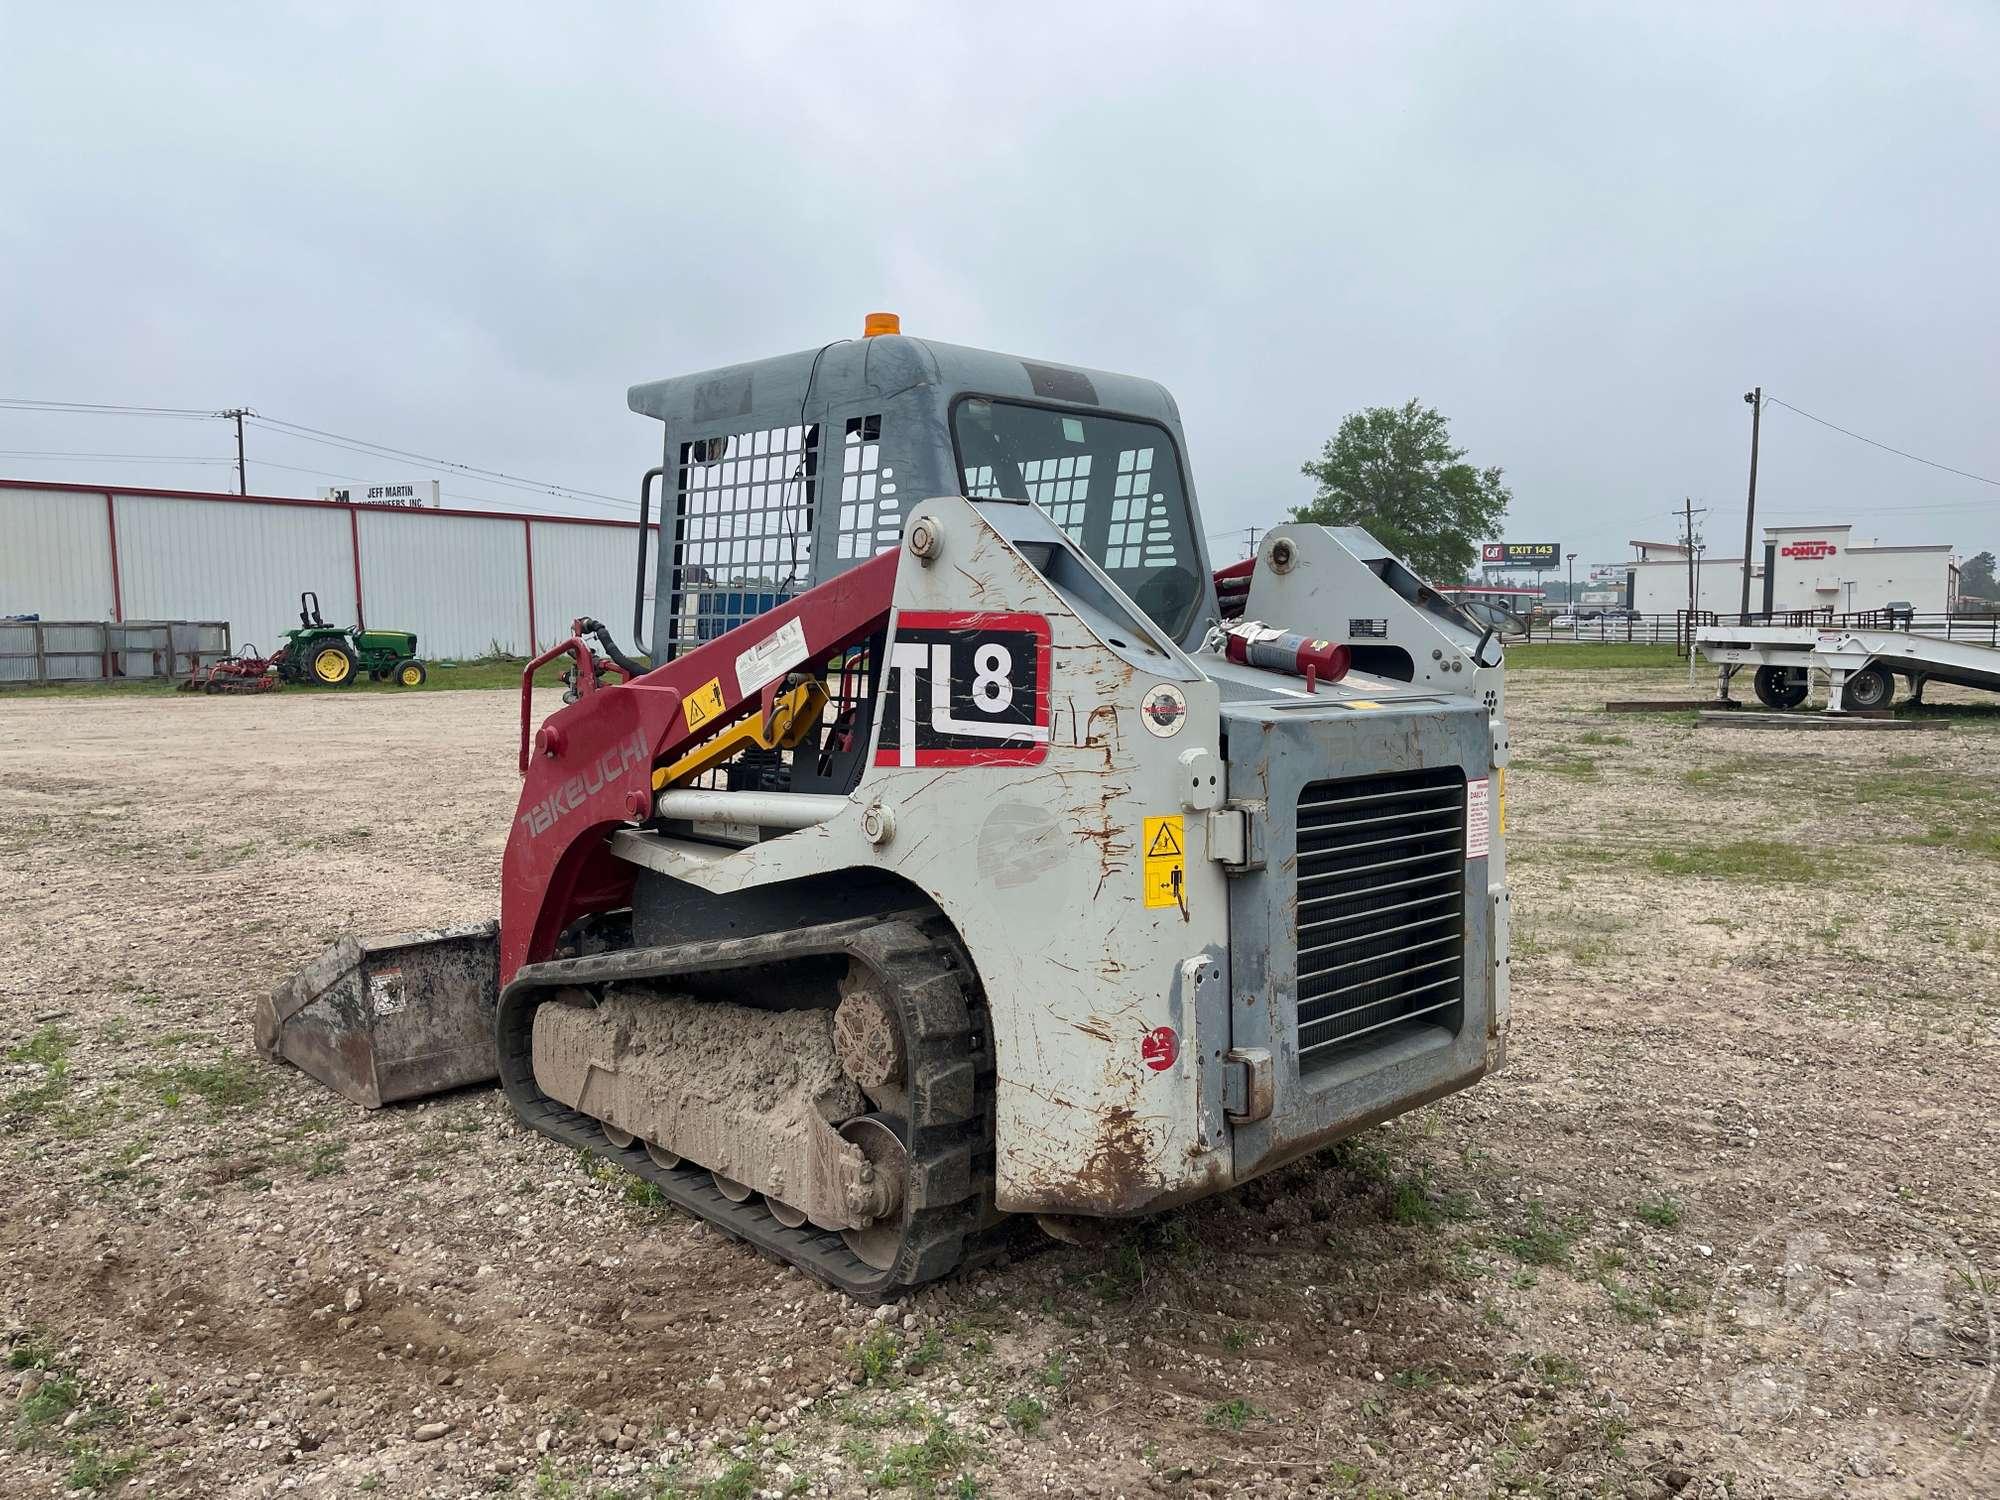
<point>1580,231</point>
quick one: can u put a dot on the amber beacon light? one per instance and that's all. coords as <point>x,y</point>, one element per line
<point>879,323</point>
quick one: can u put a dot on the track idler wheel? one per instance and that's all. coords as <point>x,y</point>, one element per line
<point>888,1161</point>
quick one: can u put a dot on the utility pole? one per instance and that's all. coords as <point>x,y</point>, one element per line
<point>1756,400</point>
<point>1691,542</point>
<point>242,476</point>
<point>1572,583</point>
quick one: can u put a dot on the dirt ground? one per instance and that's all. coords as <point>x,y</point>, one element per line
<point>1726,1224</point>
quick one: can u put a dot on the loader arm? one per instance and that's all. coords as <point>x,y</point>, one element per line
<point>590,767</point>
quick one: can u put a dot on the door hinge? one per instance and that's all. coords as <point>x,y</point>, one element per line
<point>1236,837</point>
<point>1246,1085</point>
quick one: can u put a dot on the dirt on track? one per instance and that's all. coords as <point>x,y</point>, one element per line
<point>1723,1226</point>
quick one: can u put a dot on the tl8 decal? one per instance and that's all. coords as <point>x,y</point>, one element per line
<point>966,688</point>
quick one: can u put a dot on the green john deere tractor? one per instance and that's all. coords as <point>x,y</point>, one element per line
<point>334,655</point>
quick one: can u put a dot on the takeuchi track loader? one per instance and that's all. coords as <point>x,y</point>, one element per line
<point>973,850</point>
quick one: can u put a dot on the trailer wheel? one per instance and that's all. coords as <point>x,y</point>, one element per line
<point>410,673</point>
<point>1780,687</point>
<point>1874,686</point>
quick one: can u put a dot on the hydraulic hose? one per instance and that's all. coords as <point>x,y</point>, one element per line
<point>602,635</point>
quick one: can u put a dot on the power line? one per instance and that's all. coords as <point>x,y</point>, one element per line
<point>170,458</point>
<point>280,428</point>
<point>383,450</point>
<point>104,409</point>
<point>1871,442</point>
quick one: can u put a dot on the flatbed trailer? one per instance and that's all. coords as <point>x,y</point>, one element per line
<point>1860,666</point>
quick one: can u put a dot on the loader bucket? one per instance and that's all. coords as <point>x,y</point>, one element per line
<point>382,1019</point>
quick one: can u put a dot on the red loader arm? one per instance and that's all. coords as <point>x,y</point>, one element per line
<point>589,769</point>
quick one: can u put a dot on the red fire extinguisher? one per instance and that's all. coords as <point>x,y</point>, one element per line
<point>1252,643</point>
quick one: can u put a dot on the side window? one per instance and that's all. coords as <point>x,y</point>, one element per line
<point>871,512</point>
<point>742,529</point>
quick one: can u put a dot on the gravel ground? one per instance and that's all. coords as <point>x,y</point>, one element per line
<point>1724,1226</point>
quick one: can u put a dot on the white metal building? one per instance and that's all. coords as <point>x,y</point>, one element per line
<point>1801,568</point>
<point>467,582</point>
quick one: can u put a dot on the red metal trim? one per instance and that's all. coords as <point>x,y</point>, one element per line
<point>489,515</point>
<point>117,584</point>
<point>591,770</point>
<point>354,545</point>
<point>528,538</point>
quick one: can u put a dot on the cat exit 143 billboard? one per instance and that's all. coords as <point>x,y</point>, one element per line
<point>1520,554</point>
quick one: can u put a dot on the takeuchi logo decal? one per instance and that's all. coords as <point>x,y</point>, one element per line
<point>607,770</point>
<point>1808,549</point>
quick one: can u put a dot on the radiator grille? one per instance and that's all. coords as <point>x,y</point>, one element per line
<point>1381,908</point>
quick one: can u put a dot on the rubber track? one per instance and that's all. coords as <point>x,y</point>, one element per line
<point>950,1131</point>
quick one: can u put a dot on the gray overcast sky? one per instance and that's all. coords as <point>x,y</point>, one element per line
<point>1582,233</point>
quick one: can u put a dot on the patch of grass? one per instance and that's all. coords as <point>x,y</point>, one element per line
<point>1721,773</point>
<point>35,1352</point>
<point>876,1356</point>
<point>1983,840</point>
<point>488,674</point>
<point>1026,1413</point>
<point>1918,785</point>
<point>92,1468</point>
<point>929,1351</point>
<point>1629,1307</point>
<point>1557,1370</point>
<point>1763,861</point>
<point>1055,1373</point>
<point>1540,1241</point>
<point>1662,1212</point>
<point>51,1049</point>
<point>919,1466</point>
<point>48,1047</point>
<point>1417,1378</point>
<point>645,1196</point>
<point>1574,767</point>
<point>1236,1338</point>
<point>229,1084</point>
<point>1599,737</point>
<point>328,1160</point>
<point>737,1482</point>
<point>1123,1276</point>
<point>1612,655</point>
<point>55,1398</point>
<point>1413,1200</point>
<point>1232,1415</point>
<point>1671,1299</point>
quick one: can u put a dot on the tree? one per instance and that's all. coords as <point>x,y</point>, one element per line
<point>1395,471</point>
<point>1976,577</point>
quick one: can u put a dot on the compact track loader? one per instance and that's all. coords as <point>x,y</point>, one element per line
<point>972,850</point>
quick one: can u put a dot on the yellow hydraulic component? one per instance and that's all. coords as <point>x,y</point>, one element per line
<point>794,716</point>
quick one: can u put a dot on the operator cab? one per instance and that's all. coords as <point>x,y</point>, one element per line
<point>783,473</point>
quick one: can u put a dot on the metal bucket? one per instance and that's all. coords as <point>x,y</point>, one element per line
<point>382,1019</point>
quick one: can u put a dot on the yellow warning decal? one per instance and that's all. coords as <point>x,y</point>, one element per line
<point>1361,703</point>
<point>704,704</point>
<point>1500,789</point>
<point>1166,862</point>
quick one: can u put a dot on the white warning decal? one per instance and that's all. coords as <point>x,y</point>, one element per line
<point>1478,819</point>
<point>385,991</point>
<point>772,657</point>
